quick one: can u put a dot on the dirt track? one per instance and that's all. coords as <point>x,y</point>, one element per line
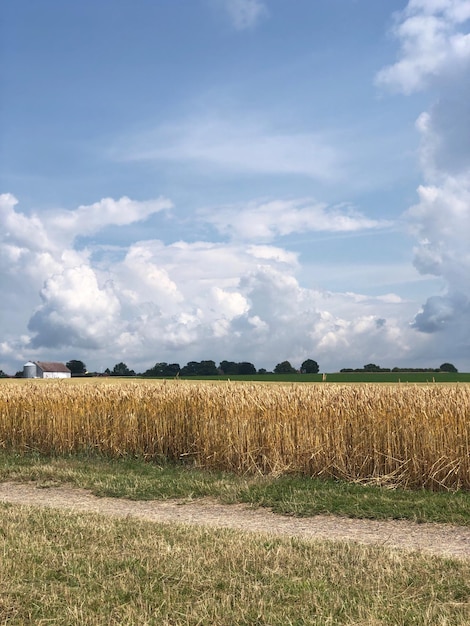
<point>438,539</point>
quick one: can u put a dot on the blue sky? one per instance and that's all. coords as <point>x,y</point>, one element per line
<point>253,180</point>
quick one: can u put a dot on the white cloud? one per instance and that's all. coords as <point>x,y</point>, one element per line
<point>270,219</point>
<point>435,51</point>
<point>445,140</point>
<point>244,14</point>
<point>304,322</point>
<point>87,220</point>
<point>273,253</point>
<point>147,279</point>
<point>17,231</point>
<point>76,310</point>
<point>22,234</point>
<point>237,146</point>
<point>60,291</point>
<point>434,42</point>
<point>182,301</point>
<point>441,222</point>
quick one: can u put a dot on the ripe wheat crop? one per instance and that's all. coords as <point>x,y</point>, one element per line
<point>412,436</point>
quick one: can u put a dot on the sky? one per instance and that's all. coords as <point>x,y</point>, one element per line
<point>243,180</point>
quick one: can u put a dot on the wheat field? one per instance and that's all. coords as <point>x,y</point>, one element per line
<point>399,435</point>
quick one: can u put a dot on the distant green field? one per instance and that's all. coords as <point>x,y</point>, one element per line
<point>351,377</point>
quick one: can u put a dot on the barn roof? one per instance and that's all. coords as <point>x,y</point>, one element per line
<point>52,366</point>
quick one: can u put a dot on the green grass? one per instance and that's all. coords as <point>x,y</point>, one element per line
<point>289,495</point>
<point>84,569</point>
<point>396,377</point>
<point>345,377</point>
<point>304,497</point>
<point>334,377</point>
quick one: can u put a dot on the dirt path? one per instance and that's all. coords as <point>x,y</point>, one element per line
<point>438,539</point>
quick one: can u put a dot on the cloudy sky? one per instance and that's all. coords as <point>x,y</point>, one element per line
<point>254,180</point>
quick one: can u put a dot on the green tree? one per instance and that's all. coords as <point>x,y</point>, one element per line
<point>121,369</point>
<point>173,369</point>
<point>163,369</point>
<point>284,368</point>
<point>208,368</point>
<point>448,367</point>
<point>190,369</point>
<point>371,367</point>
<point>202,368</point>
<point>309,367</point>
<point>229,367</point>
<point>246,368</point>
<point>76,367</point>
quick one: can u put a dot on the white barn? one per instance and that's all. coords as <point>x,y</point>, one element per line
<point>45,369</point>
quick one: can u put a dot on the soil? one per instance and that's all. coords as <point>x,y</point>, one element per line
<point>438,539</point>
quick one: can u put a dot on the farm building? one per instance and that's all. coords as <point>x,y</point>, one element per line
<point>45,369</point>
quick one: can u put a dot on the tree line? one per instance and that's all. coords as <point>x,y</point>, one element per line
<point>243,368</point>
<point>197,368</point>
<point>371,367</point>
<point>232,368</point>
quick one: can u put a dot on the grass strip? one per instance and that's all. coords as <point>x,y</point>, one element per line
<point>64,568</point>
<point>288,495</point>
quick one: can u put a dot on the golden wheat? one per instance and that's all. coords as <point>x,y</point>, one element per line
<point>415,436</point>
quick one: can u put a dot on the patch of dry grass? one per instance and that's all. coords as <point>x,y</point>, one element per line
<point>69,569</point>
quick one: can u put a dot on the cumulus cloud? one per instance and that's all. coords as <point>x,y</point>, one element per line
<point>301,322</point>
<point>270,219</point>
<point>441,221</point>
<point>60,290</point>
<point>434,43</point>
<point>56,229</point>
<point>184,300</point>
<point>76,310</point>
<point>18,231</point>
<point>440,311</point>
<point>445,142</point>
<point>428,32</point>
